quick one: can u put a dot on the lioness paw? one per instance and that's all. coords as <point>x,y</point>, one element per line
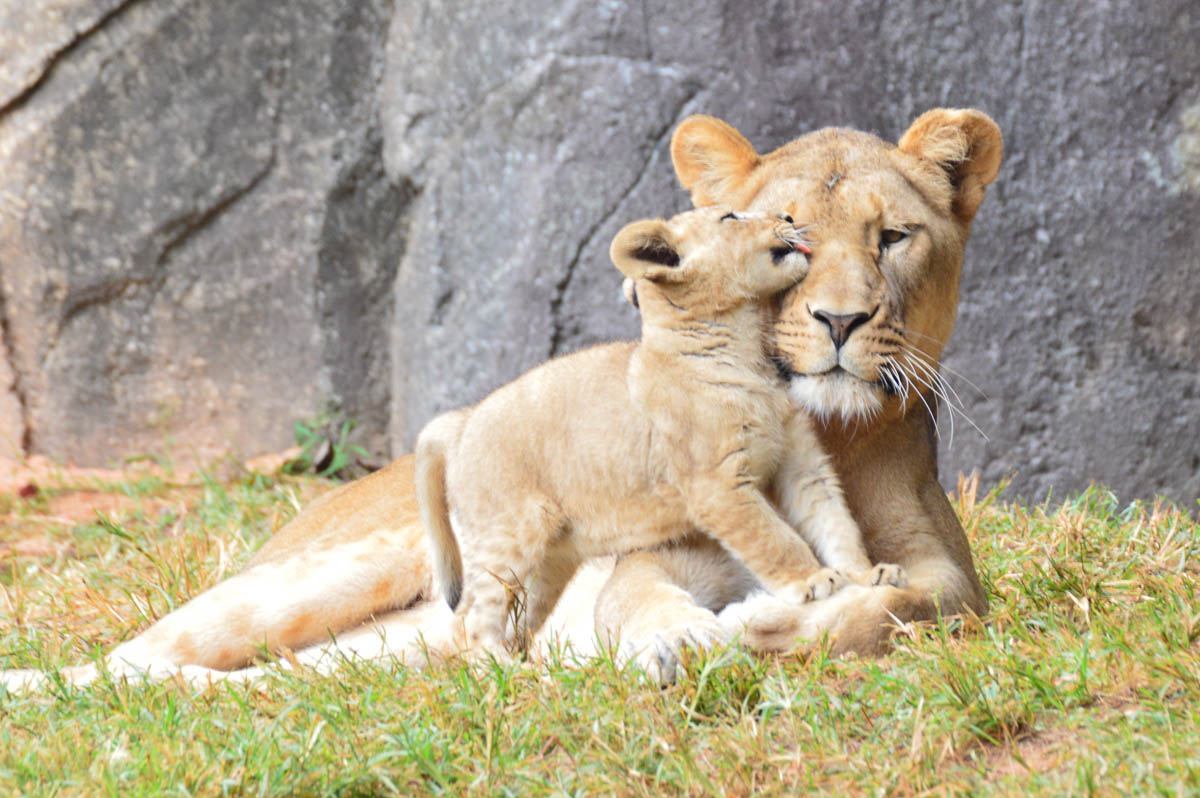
<point>22,681</point>
<point>659,652</point>
<point>763,622</point>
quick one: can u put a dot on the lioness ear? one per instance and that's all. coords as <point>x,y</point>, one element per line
<point>711,159</point>
<point>645,250</point>
<point>966,144</point>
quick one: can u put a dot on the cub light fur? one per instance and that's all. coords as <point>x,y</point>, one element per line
<point>628,446</point>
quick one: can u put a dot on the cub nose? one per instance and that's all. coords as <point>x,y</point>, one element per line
<point>840,324</point>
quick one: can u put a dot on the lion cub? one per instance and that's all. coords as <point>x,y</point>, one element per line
<point>630,445</point>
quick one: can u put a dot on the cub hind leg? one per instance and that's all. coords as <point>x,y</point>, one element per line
<point>558,566</point>
<point>499,554</point>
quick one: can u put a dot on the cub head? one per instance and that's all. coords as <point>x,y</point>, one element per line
<point>863,333</point>
<point>710,260</point>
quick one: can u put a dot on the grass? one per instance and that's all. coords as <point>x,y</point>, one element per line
<point>1085,677</point>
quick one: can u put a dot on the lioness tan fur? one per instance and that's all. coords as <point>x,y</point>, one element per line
<point>891,224</point>
<point>628,446</point>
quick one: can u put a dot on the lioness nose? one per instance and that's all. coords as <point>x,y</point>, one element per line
<point>841,324</point>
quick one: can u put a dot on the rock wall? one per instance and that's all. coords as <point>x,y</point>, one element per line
<point>192,194</point>
<point>216,218</point>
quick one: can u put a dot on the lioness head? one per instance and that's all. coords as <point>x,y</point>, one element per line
<point>862,334</point>
<point>711,260</point>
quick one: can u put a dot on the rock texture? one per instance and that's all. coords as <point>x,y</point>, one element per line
<point>192,195</point>
<point>216,218</point>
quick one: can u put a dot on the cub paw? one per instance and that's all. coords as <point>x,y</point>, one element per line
<point>887,574</point>
<point>823,584</point>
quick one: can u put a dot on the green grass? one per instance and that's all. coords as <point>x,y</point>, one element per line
<point>1085,678</point>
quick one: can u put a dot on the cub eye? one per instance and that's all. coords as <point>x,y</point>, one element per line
<point>730,215</point>
<point>889,237</point>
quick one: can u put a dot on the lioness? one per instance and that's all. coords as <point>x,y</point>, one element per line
<point>631,445</point>
<point>859,339</point>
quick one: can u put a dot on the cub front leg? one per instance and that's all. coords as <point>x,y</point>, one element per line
<point>827,581</point>
<point>741,518</point>
<point>823,584</point>
<point>810,497</point>
<point>885,574</point>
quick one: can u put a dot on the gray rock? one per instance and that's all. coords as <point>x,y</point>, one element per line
<point>187,193</point>
<point>216,218</point>
<point>12,420</point>
<point>34,35</point>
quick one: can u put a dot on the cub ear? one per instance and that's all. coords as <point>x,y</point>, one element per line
<point>646,250</point>
<point>964,143</point>
<point>711,159</point>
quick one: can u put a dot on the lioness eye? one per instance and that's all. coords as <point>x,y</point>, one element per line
<point>889,237</point>
<point>729,215</point>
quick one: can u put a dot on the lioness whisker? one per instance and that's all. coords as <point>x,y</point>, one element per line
<point>911,378</point>
<point>931,372</point>
<point>943,365</point>
<point>934,372</point>
<point>940,394</point>
<point>938,388</point>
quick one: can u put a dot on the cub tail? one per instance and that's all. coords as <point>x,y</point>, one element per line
<point>438,439</point>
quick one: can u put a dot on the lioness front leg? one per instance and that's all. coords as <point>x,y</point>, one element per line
<point>646,613</point>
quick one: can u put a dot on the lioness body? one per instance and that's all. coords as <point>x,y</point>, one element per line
<point>630,446</point>
<point>361,551</point>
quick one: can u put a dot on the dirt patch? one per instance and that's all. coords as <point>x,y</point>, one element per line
<point>41,502</point>
<point>40,548</point>
<point>1037,753</point>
